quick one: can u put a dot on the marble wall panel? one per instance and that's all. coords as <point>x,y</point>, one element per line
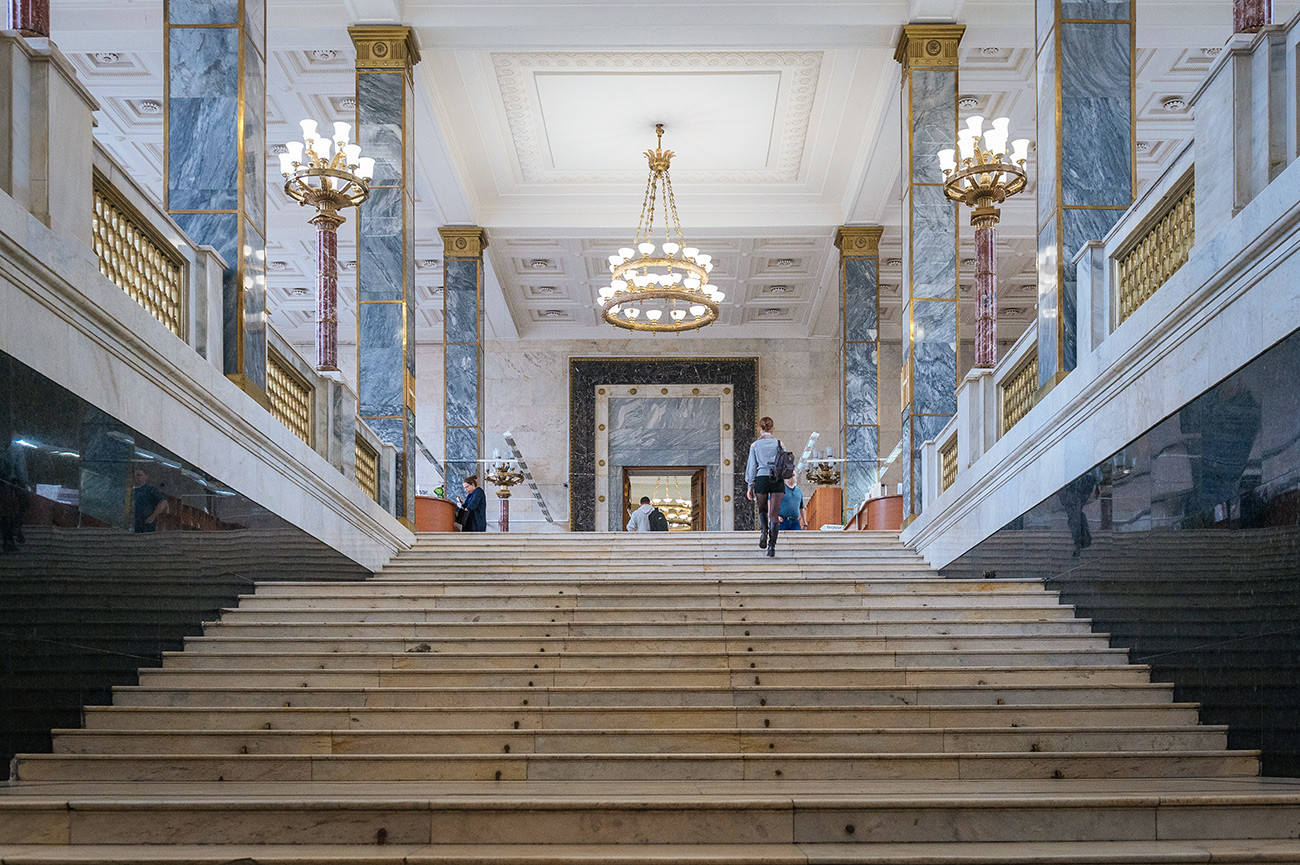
<point>220,231</point>
<point>382,245</point>
<point>862,445</point>
<point>1049,282</point>
<point>254,166</point>
<point>934,243</point>
<point>934,121</point>
<point>255,22</point>
<point>1048,155</point>
<point>463,362</point>
<point>934,357</point>
<point>462,450</point>
<point>380,107</point>
<point>860,299</point>
<point>461,297</point>
<point>380,375</point>
<point>860,383</point>
<point>1096,97</point>
<point>203,109</point>
<point>203,11</point>
<point>1094,10</point>
<point>253,314</point>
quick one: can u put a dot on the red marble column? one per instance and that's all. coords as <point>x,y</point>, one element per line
<point>1250,15</point>
<point>503,524</point>
<point>327,296</point>
<point>986,289</point>
<point>29,17</point>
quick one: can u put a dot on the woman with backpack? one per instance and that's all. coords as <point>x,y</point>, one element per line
<point>767,459</point>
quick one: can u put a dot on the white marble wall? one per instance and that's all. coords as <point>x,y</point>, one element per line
<point>527,392</point>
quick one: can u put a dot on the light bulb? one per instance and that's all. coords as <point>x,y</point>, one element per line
<point>627,252</point>
<point>295,150</point>
<point>352,152</point>
<point>366,167</point>
<point>646,248</point>
<point>1020,149</point>
<point>690,252</point>
<point>653,314</point>
<point>697,310</point>
<point>976,125</point>
<point>678,314</point>
<point>948,160</point>
<point>308,129</point>
<point>341,132</point>
<point>286,164</point>
<point>615,260</point>
<point>671,248</point>
<point>703,260</point>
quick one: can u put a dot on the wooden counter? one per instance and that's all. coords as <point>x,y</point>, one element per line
<point>883,513</point>
<point>433,514</point>
<point>826,507</point>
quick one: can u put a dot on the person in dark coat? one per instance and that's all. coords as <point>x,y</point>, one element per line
<point>473,507</point>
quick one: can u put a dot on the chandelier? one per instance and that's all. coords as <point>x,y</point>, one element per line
<point>662,289</point>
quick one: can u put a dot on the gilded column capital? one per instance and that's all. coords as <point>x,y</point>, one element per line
<point>385,46</point>
<point>929,45</point>
<point>462,241</point>
<point>858,241</point>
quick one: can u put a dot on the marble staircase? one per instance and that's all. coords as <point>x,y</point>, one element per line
<point>615,698</point>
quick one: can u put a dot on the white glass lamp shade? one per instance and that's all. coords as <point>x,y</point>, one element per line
<point>678,314</point>
<point>616,260</point>
<point>708,267</point>
<point>631,312</point>
<point>995,142</point>
<point>295,150</point>
<point>975,125</point>
<point>308,129</point>
<point>321,147</point>
<point>966,144</point>
<point>948,160</point>
<point>697,310</point>
<point>342,132</point>
<point>1001,125</point>
<point>692,282</point>
<point>718,297</point>
<point>351,153</point>
<point>619,285</point>
<point>671,248</point>
<point>646,248</point>
<point>1020,149</point>
<point>702,260</point>
<point>366,167</point>
<point>627,252</point>
<point>286,164</point>
<point>690,252</point>
<point>653,314</point>
<point>607,292</point>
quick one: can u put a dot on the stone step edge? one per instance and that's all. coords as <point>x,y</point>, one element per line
<point>1260,852</point>
<point>614,689</point>
<point>1093,668</point>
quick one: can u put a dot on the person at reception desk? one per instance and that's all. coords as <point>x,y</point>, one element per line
<point>792,513</point>
<point>473,507</point>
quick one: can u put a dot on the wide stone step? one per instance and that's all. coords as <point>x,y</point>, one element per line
<point>633,767</point>
<point>122,717</point>
<point>564,587</point>
<point>220,656</point>
<point>630,678</point>
<point>843,814</point>
<point>410,639</point>
<point>398,624</point>
<point>684,740</point>
<point>752,695</point>
<point>615,604</point>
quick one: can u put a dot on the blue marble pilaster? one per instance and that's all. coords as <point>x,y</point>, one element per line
<point>216,159</point>
<point>928,53</point>
<point>462,297</point>
<point>859,247</point>
<point>1085,66</point>
<point>385,248</point>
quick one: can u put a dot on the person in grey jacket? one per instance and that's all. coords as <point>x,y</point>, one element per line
<point>764,489</point>
<point>639,521</point>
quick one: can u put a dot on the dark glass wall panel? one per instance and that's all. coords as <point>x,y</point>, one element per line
<point>87,595</point>
<point>1185,547</point>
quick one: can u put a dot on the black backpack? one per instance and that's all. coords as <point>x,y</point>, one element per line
<point>783,465</point>
<point>658,522</point>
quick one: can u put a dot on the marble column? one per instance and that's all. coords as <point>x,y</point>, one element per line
<point>1248,16</point>
<point>928,53</point>
<point>1086,154</point>
<point>386,56</point>
<point>462,297</point>
<point>215,82</point>
<point>28,17</point>
<point>859,247</point>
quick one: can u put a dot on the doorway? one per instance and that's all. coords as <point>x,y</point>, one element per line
<point>678,491</point>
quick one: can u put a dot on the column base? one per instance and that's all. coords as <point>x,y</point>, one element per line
<point>248,386</point>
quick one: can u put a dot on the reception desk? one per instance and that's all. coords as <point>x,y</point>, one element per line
<point>883,513</point>
<point>825,507</point>
<point>434,514</point>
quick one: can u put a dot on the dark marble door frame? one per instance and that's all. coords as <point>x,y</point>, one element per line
<point>586,374</point>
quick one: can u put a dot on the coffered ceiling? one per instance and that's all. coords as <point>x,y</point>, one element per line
<point>531,118</point>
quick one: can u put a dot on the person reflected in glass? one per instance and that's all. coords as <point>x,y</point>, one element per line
<point>793,516</point>
<point>147,502</point>
<point>764,489</point>
<point>15,496</point>
<point>472,516</point>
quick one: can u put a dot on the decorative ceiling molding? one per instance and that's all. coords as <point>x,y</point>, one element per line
<point>799,70</point>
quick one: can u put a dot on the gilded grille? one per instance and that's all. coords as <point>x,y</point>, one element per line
<point>1018,391</point>
<point>1158,254</point>
<point>367,468</point>
<point>948,464</point>
<point>137,259</point>
<point>290,396</point>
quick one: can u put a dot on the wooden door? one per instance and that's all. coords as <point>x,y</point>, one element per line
<point>698,509</point>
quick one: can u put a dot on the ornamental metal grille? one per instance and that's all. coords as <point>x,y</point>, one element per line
<point>948,464</point>
<point>367,468</point>
<point>1157,254</point>
<point>1018,391</point>
<point>138,259</point>
<point>290,395</point>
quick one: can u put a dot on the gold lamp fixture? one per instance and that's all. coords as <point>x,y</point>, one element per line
<point>665,288</point>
